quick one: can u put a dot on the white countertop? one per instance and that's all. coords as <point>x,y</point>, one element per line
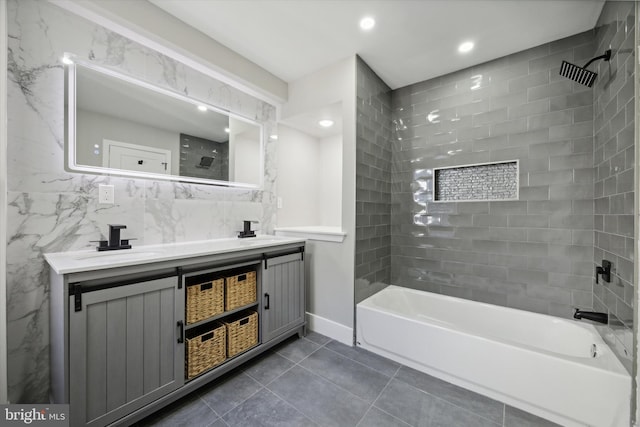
<point>88,260</point>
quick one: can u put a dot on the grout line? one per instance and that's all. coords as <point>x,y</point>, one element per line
<point>331,382</point>
<point>206,404</point>
<point>504,414</point>
<point>373,369</point>
<point>373,405</point>
<point>293,407</point>
<point>451,403</point>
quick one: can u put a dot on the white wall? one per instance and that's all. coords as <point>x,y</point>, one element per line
<point>3,204</point>
<point>330,181</point>
<point>298,169</point>
<point>331,279</point>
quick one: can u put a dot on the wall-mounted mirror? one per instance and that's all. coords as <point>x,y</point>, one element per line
<point>121,126</point>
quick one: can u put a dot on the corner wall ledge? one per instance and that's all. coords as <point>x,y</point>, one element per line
<point>313,232</point>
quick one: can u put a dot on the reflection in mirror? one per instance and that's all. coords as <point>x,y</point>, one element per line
<point>122,126</point>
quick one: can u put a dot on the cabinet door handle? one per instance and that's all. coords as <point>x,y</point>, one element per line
<point>266,306</point>
<point>181,337</point>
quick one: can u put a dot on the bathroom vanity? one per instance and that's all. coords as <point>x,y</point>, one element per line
<point>130,329</point>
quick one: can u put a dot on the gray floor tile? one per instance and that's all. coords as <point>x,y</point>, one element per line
<point>297,349</point>
<point>219,423</point>
<point>515,417</point>
<point>228,392</point>
<point>190,411</point>
<point>379,363</point>
<point>317,338</point>
<point>422,409</point>
<point>347,373</point>
<point>267,367</point>
<point>473,402</point>
<point>266,409</point>
<point>376,418</point>
<point>318,399</point>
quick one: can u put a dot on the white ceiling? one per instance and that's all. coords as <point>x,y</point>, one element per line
<point>413,40</point>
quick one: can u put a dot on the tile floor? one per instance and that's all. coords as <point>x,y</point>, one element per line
<point>315,381</point>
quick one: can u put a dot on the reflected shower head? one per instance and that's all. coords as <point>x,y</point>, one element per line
<point>581,74</point>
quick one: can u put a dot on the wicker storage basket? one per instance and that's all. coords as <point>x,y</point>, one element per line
<point>204,300</point>
<point>206,350</point>
<point>240,290</point>
<point>242,332</point>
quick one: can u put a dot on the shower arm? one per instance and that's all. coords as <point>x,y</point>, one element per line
<point>606,57</point>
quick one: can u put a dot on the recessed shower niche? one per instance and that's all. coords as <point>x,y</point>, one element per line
<point>485,181</point>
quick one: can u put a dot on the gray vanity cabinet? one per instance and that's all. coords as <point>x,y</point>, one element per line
<point>118,334</point>
<point>283,294</point>
<point>125,348</point>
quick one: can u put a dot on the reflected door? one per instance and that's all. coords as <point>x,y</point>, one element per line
<point>139,158</point>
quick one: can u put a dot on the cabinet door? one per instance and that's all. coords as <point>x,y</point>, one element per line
<point>283,295</point>
<point>124,349</point>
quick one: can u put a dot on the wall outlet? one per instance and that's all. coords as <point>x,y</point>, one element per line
<point>106,194</point>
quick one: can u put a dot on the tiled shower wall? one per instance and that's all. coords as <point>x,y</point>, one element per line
<point>535,253</point>
<point>614,158</point>
<point>373,183</point>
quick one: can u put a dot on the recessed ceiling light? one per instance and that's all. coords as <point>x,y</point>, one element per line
<point>202,107</point>
<point>367,23</point>
<point>326,123</point>
<point>227,130</point>
<point>465,47</point>
<point>274,137</point>
<point>66,60</point>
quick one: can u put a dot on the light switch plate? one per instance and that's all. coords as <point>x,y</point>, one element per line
<point>106,194</point>
<point>279,202</point>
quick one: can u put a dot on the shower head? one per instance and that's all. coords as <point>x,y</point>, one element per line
<point>581,74</point>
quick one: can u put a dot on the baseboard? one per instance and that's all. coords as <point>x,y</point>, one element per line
<point>331,329</point>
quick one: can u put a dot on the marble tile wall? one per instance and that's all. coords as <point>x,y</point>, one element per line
<point>373,183</point>
<point>535,253</point>
<point>614,159</point>
<point>51,210</point>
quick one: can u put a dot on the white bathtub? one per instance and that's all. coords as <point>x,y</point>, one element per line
<point>540,364</point>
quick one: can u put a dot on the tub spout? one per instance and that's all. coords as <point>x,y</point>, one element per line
<point>591,315</point>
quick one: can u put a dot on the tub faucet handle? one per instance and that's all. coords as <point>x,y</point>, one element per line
<point>605,271</point>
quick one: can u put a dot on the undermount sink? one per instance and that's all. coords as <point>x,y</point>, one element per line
<point>114,255</point>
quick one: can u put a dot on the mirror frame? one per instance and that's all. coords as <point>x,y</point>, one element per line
<point>71,164</point>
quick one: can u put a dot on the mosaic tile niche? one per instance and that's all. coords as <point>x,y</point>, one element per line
<point>493,181</point>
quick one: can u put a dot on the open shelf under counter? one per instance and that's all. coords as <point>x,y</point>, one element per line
<point>220,315</point>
